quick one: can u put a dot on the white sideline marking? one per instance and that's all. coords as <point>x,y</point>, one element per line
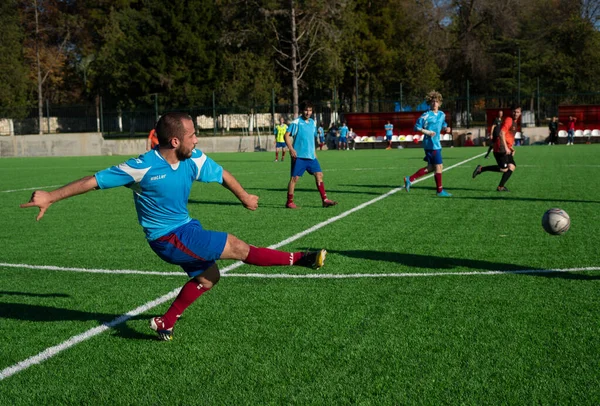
<point>299,276</point>
<point>52,351</point>
<point>30,188</point>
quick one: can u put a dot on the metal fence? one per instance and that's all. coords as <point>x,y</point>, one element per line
<point>466,111</point>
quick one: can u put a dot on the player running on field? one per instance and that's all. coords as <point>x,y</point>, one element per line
<point>304,159</point>
<point>431,123</point>
<point>504,151</point>
<point>161,180</point>
<point>321,135</point>
<point>279,139</point>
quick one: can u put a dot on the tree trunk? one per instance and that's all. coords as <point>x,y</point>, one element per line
<point>39,70</point>
<point>294,60</point>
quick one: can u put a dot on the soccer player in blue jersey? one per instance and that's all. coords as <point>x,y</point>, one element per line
<point>161,180</point>
<point>389,131</point>
<point>321,135</point>
<point>431,124</point>
<point>279,139</point>
<point>300,140</point>
<point>343,143</point>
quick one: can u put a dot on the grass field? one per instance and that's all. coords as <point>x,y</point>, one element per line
<point>422,300</point>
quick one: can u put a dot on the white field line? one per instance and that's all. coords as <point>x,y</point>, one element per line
<point>52,351</point>
<point>302,276</point>
<point>30,188</point>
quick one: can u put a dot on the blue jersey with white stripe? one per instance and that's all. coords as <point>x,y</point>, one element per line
<point>432,121</point>
<point>161,190</point>
<point>304,133</point>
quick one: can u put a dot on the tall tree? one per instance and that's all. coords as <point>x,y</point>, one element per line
<point>13,72</point>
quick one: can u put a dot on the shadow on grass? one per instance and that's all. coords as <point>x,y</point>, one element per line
<point>433,262</point>
<point>314,189</point>
<point>506,196</point>
<point>6,293</point>
<point>37,313</point>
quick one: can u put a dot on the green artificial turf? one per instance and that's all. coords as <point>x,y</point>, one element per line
<point>435,323</point>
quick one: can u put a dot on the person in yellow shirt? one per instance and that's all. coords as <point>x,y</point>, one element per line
<point>280,131</point>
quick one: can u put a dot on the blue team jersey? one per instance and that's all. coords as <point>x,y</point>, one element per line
<point>304,133</point>
<point>161,190</point>
<point>321,133</point>
<point>433,122</point>
<point>343,131</point>
<point>389,129</point>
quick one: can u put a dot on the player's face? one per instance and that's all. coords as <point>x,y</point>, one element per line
<point>435,104</point>
<point>516,114</point>
<point>189,141</point>
<point>307,112</point>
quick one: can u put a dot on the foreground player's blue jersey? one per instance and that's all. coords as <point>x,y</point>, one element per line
<point>304,133</point>
<point>433,122</point>
<point>161,190</point>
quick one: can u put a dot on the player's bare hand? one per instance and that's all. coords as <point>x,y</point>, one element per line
<point>250,202</point>
<point>41,199</point>
<point>293,153</point>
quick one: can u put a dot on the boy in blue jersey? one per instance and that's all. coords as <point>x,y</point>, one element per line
<point>389,131</point>
<point>431,124</point>
<point>279,140</point>
<point>343,144</point>
<point>304,159</point>
<point>161,180</point>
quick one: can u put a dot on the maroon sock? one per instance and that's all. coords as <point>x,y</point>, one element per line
<point>191,291</point>
<point>418,174</point>
<point>276,154</point>
<point>290,198</point>
<point>321,187</point>
<point>282,155</point>
<point>268,257</point>
<point>438,181</point>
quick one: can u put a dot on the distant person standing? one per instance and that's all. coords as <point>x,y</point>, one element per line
<point>389,132</point>
<point>321,136</point>
<point>553,130</point>
<point>343,144</point>
<point>152,140</point>
<point>504,151</point>
<point>279,139</point>
<point>494,131</point>
<point>571,129</point>
<point>469,142</point>
<point>300,140</point>
<point>431,124</point>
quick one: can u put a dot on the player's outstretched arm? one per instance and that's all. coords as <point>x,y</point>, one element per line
<point>43,199</point>
<point>230,182</point>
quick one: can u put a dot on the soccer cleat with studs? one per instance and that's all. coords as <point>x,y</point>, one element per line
<point>477,171</point>
<point>502,189</point>
<point>312,259</point>
<point>329,203</point>
<point>443,193</point>
<point>158,324</point>
<point>291,205</point>
<point>407,183</point>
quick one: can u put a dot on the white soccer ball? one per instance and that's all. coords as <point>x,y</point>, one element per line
<point>556,221</point>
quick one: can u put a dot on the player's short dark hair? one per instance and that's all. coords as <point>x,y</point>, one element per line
<point>171,125</point>
<point>306,104</point>
<point>515,106</point>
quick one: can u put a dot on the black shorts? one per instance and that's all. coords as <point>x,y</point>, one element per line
<point>503,160</point>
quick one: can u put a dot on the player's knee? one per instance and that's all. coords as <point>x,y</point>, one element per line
<point>210,277</point>
<point>512,167</point>
<point>235,248</point>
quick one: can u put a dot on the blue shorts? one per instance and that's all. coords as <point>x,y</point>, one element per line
<point>280,145</point>
<point>388,137</point>
<point>343,139</point>
<point>191,247</point>
<point>433,156</point>
<point>321,139</point>
<point>301,165</point>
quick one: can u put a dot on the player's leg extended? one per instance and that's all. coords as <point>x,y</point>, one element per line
<point>506,176</point>
<point>238,249</point>
<point>290,194</point>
